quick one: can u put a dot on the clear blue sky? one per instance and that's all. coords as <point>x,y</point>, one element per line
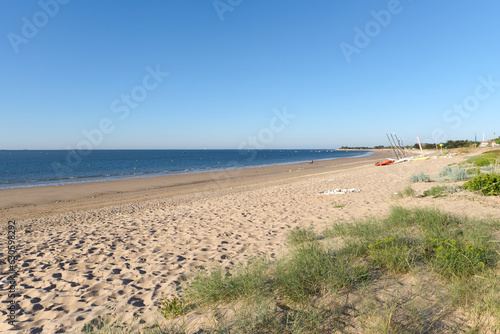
<point>227,76</point>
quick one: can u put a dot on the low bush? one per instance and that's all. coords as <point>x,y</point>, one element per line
<point>444,172</point>
<point>488,184</point>
<point>484,162</point>
<point>420,177</point>
<point>453,174</point>
<point>473,171</point>
<point>438,191</point>
<point>173,308</point>
<point>485,159</point>
<point>454,259</point>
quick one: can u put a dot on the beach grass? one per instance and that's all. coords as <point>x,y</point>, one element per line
<point>220,286</point>
<point>485,159</point>
<point>300,235</point>
<point>320,286</point>
<point>406,192</point>
<point>309,270</point>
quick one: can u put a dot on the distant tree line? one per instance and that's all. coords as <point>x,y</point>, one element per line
<point>426,146</point>
<point>448,145</point>
<point>378,147</point>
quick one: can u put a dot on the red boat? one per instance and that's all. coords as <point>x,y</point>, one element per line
<point>383,163</point>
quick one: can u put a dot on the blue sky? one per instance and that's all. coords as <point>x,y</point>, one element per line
<point>419,68</point>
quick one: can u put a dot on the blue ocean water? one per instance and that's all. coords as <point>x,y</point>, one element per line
<point>20,169</point>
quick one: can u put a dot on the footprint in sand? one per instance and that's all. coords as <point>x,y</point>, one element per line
<point>137,302</point>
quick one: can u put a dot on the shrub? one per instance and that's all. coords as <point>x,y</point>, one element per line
<point>458,174</point>
<point>173,308</point>
<point>473,171</point>
<point>485,159</point>
<point>420,177</point>
<point>488,184</point>
<point>453,259</point>
<point>484,162</point>
<point>438,191</point>
<point>444,172</point>
<point>453,174</point>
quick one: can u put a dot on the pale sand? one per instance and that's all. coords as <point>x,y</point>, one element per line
<point>118,260</point>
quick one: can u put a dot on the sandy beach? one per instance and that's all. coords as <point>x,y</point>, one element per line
<point>113,248</point>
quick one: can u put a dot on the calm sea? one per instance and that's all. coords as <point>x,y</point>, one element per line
<point>20,169</point>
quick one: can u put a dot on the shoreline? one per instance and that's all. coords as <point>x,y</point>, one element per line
<point>37,202</point>
<point>116,256</point>
<point>120,177</point>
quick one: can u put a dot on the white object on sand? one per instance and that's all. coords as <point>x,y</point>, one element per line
<point>340,191</point>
